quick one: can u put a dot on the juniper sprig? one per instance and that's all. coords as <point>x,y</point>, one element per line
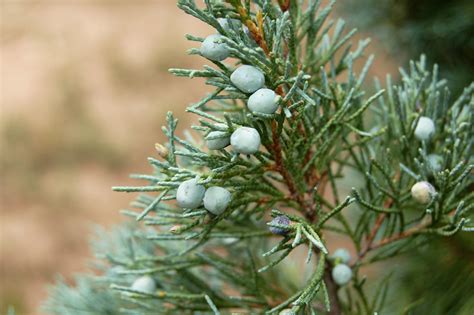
<point>289,126</point>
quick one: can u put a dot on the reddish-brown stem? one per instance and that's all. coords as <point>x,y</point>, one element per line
<point>373,233</point>
<point>313,177</point>
<point>375,229</point>
<point>257,34</point>
<point>279,166</point>
<point>255,31</point>
<point>399,236</point>
<point>284,4</point>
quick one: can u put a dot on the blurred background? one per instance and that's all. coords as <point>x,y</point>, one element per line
<point>84,92</point>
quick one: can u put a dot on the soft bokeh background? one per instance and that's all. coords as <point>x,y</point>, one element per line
<point>84,92</point>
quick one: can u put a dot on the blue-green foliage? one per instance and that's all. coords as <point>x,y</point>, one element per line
<point>327,126</point>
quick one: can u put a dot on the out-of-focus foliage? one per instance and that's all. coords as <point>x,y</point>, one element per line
<point>71,74</point>
<point>443,30</point>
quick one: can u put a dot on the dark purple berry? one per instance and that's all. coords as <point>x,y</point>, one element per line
<point>281,220</point>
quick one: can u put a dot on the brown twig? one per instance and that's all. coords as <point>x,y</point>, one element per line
<point>255,31</point>
<point>279,165</point>
<point>378,224</point>
<point>258,35</point>
<point>397,237</point>
<point>284,5</point>
<point>309,211</point>
<point>372,235</point>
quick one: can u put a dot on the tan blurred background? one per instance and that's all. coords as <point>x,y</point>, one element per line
<point>84,92</point>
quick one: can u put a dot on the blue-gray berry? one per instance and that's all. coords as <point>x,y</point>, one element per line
<point>190,194</point>
<point>214,48</point>
<point>425,128</point>
<point>341,255</point>
<point>281,220</point>
<point>144,284</point>
<point>248,79</point>
<point>423,192</point>
<point>217,140</point>
<point>216,199</point>
<point>342,274</point>
<point>263,101</point>
<point>245,140</point>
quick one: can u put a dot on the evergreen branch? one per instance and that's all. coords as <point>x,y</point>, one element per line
<point>370,206</point>
<point>313,134</point>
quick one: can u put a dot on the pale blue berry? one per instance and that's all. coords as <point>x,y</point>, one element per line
<point>216,200</point>
<point>214,48</point>
<point>245,140</point>
<point>263,101</point>
<point>190,194</point>
<point>230,240</point>
<point>341,274</point>
<point>144,284</point>
<point>341,255</point>
<point>217,140</point>
<point>281,220</point>
<point>425,128</point>
<point>248,79</point>
<point>435,161</point>
<point>423,192</point>
<point>227,23</point>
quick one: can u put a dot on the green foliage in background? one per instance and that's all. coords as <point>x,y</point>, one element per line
<point>444,30</point>
<point>404,149</point>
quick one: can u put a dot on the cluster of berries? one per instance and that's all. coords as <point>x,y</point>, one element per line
<point>191,194</point>
<point>423,192</point>
<point>244,140</point>
<point>341,273</point>
<point>248,79</point>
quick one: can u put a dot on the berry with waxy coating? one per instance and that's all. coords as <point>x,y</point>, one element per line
<point>425,128</point>
<point>423,192</point>
<point>342,255</point>
<point>281,220</point>
<point>286,311</point>
<point>245,140</point>
<point>217,140</point>
<point>216,200</point>
<point>214,48</point>
<point>190,194</point>
<point>144,284</point>
<point>341,274</point>
<point>263,101</point>
<point>247,78</point>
